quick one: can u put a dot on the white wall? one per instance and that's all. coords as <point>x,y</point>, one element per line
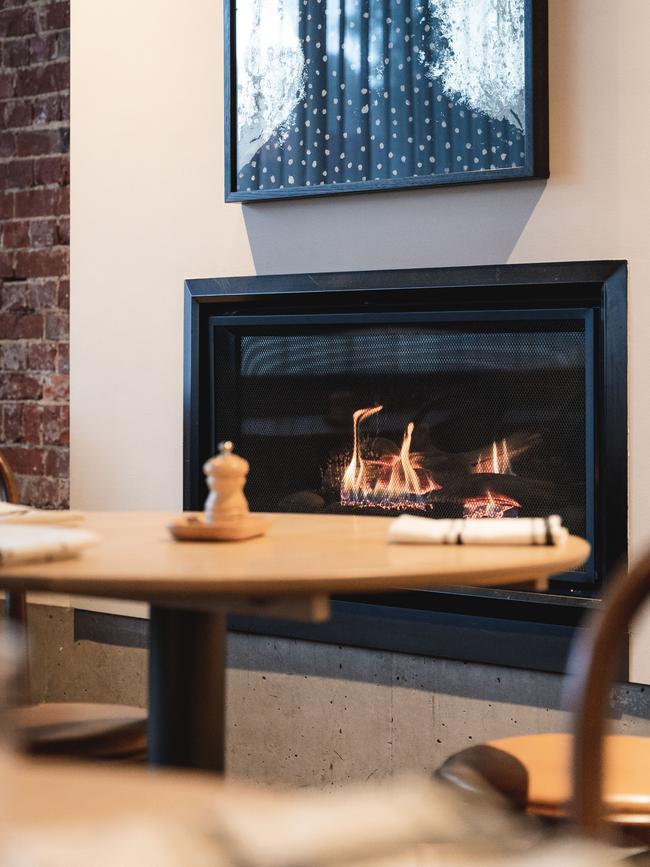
<point>147,212</point>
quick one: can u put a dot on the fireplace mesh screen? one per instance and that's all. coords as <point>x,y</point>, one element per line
<point>461,418</point>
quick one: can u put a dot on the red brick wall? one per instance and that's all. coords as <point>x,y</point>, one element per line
<point>34,234</point>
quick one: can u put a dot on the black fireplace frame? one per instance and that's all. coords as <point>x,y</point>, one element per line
<point>508,627</point>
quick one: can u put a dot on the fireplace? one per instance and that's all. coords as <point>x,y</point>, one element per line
<point>435,413</point>
<point>464,392</point>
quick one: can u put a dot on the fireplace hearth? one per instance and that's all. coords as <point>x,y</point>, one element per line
<point>463,392</point>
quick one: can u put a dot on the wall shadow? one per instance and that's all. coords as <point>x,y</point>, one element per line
<point>444,226</point>
<point>474,681</point>
<point>408,229</point>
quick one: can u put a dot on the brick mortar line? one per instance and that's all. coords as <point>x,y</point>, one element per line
<point>57,154</point>
<point>39,188</point>
<point>37,219</point>
<point>53,446</point>
<point>44,125</point>
<point>34,95</point>
<point>34,249</point>
<point>16,158</point>
<point>27,96</point>
<point>51,126</point>
<point>39,64</point>
<point>58,124</point>
<point>41,127</point>
<point>35,4</point>
<point>36,129</point>
<point>63,480</point>
<point>32,33</point>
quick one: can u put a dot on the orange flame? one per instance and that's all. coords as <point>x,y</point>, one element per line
<point>387,482</point>
<point>354,478</point>
<point>489,506</point>
<point>495,462</point>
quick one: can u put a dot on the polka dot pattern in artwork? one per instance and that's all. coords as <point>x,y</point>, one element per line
<point>372,111</point>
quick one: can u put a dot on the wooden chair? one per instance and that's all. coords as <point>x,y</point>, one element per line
<point>600,781</point>
<point>80,730</point>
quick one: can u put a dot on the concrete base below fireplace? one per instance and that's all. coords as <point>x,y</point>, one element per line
<point>304,714</point>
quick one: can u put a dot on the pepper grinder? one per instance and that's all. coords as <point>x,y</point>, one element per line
<point>226,511</point>
<point>225,476</point>
<point>226,516</point>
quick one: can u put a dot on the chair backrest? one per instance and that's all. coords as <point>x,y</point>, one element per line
<point>594,666</point>
<point>8,487</point>
<point>16,600</point>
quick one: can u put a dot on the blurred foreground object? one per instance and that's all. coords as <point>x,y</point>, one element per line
<point>81,730</point>
<point>70,815</point>
<point>607,787</point>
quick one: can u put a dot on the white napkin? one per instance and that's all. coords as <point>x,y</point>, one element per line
<point>478,531</point>
<point>14,513</point>
<point>26,544</point>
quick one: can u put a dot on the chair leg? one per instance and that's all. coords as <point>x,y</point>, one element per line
<point>16,614</point>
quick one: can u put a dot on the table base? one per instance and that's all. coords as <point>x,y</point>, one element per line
<point>187,672</point>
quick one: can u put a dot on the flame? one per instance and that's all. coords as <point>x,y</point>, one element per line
<point>354,477</point>
<point>387,482</point>
<point>489,506</point>
<point>496,461</point>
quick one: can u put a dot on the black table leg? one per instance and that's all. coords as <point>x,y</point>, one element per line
<point>187,669</point>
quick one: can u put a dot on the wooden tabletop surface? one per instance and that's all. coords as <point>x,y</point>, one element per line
<point>302,554</point>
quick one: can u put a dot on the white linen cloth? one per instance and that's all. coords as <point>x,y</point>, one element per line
<point>23,544</point>
<point>478,531</point>
<point>15,513</point>
<point>31,535</point>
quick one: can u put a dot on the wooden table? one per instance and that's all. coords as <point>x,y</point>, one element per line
<point>291,572</point>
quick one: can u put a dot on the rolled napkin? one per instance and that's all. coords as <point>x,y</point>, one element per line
<point>22,544</point>
<point>478,531</point>
<point>15,513</point>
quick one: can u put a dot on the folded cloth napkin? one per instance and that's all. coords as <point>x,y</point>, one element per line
<point>22,544</point>
<point>479,531</point>
<point>14,513</point>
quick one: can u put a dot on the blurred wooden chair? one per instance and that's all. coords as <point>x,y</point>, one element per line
<point>81,730</point>
<point>598,780</point>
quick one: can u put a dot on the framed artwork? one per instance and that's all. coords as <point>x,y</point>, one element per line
<point>339,96</point>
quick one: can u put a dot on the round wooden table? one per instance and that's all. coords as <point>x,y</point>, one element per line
<point>291,572</point>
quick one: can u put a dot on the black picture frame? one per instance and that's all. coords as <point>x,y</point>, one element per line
<point>535,164</point>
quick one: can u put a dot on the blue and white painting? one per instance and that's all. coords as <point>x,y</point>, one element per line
<point>335,92</point>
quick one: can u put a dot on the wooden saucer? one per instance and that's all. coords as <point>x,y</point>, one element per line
<point>194,528</point>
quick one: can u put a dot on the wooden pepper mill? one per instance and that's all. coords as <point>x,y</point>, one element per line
<point>226,516</point>
<point>225,476</point>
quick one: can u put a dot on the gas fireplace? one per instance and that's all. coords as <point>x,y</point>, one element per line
<point>465,392</point>
<point>442,414</point>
